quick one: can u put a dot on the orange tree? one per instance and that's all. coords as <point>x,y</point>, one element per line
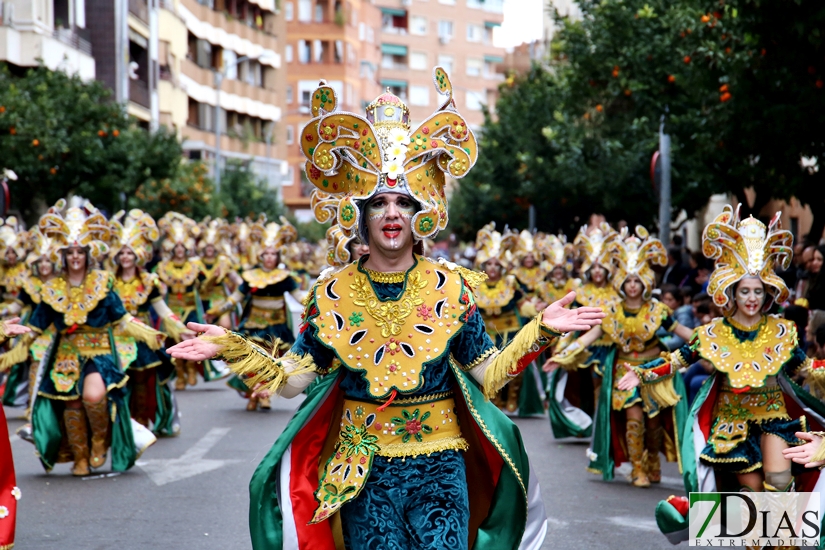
<point>61,135</point>
<point>740,83</point>
<point>188,191</point>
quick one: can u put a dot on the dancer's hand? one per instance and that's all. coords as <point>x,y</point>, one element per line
<point>11,327</point>
<point>549,365</point>
<point>558,317</point>
<point>629,381</point>
<point>802,454</point>
<point>198,349</point>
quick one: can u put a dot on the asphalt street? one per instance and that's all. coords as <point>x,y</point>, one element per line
<point>190,492</point>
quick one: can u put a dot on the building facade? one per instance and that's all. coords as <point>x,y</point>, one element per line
<point>54,31</point>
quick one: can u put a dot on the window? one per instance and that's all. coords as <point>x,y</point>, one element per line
<point>448,2</point>
<point>420,95</point>
<point>445,29</point>
<point>339,51</point>
<point>418,61</point>
<point>319,13</point>
<point>362,31</point>
<point>230,59</point>
<point>306,96</point>
<point>390,61</point>
<point>288,11</point>
<point>446,61</point>
<point>474,100</point>
<point>474,67</point>
<point>289,95</point>
<point>317,51</point>
<point>370,35</point>
<point>418,25</point>
<point>305,10</point>
<point>303,51</point>
<point>288,53</point>
<point>474,33</point>
<point>290,135</point>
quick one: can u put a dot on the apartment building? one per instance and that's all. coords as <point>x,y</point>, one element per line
<point>416,35</point>
<point>337,41</point>
<point>53,31</point>
<point>231,50</point>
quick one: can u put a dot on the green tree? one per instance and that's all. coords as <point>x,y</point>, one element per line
<point>64,136</point>
<point>243,194</point>
<point>189,191</point>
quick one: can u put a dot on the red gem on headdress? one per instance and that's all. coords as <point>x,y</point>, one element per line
<point>433,144</point>
<point>314,172</point>
<point>391,182</point>
<point>308,137</point>
<point>364,132</point>
<point>425,129</point>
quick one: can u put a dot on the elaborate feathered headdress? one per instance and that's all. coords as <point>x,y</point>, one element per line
<point>135,230</point>
<point>81,225</point>
<point>526,244</point>
<point>746,248</point>
<point>215,232</point>
<point>12,235</point>
<point>273,234</point>
<point>354,157</point>
<point>41,246</point>
<point>633,255</point>
<point>492,244</point>
<point>557,251</point>
<point>593,247</point>
<point>178,229</point>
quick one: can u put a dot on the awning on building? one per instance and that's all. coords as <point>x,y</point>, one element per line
<point>393,49</point>
<point>493,59</point>
<point>492,24</point>
<point>392,83</point>
<point>394,11</point>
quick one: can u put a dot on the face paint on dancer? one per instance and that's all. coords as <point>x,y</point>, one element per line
<point>750,296</point>
<point>389,217</point>
<point>598,274</point>
<point>633,287</point>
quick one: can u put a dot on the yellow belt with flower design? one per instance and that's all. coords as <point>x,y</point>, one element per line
<point>407,427</point>
<point>734,411</point>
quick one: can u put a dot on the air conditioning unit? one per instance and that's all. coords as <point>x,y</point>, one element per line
<point>444,39</point>
<point>406,2</point>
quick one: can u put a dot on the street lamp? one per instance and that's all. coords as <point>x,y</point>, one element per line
<point>219,76</point>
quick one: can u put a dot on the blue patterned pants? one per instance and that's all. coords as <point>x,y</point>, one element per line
<point>416,504</point>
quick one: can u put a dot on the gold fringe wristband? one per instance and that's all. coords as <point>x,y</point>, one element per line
<point>657,393</point>
<point>129,326</point>
<point>17,354</point>
<point>502,367</point>
<point>819,455</point>
<point>256,366</point>
<point>173,328</point>
<point>816,381</point>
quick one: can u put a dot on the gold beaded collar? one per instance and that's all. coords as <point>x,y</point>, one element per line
<point>739,326</point>
<point>381,277</point>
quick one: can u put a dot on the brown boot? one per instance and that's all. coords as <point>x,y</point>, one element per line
<point>653,444</point>
<point>191,373</point>
<point>78,436</point>
<point>635,437</point>
<point>252,404</point>
<point>264,403</point>
<point>180,375</point>
<point>98,414</point>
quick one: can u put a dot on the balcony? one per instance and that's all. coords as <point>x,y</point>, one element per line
<point>140,9</point>
<point>63,49</point>
<point>139,92</point>
<point>73,40</point>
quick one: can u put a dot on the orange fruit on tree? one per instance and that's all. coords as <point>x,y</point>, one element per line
<point>671,78</point>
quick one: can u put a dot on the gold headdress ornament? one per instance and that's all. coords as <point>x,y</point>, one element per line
<point>557,251</point>
<point>353,157</point>
<point>325,208</point>
<point>746,248</point>
<point>273,234</point>
<point>178,229</point>
<point>526,243</point>
<point>81,225</point>
<point>593,247</point>
<point>135,230</point>
<point>492,244</point>
<point>12,235</point>
<point>215,232</point>
<point>41,246</point>
<point>633,255</point>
